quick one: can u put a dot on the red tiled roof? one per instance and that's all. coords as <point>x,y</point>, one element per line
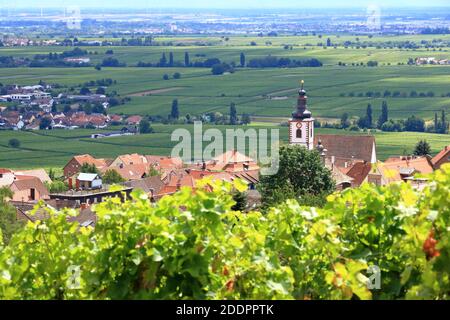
<point>233,156</point>
<point>134,119</point>
<point>347,146</point>
<point>441,155</point>
<point>421,164</point>
<point>359,172</point>
<point>28,182</point>
<point>130,172</point>
<point>87,158</point>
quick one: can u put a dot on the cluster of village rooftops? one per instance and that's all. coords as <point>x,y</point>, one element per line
<point>352,160</point>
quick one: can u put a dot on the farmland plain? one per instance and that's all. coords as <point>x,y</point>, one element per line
<point>268,95</point>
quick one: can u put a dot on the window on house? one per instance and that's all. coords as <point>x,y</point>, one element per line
<point>299,133</point>
<point>32,194</point>
<point>1,175</point>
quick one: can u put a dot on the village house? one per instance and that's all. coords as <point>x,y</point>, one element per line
<point>347,150</point>
<point>404,168</point>
<point>88,181</point>
<point>25,188</point>
<point>130,172</point>
<point>133,120</point>
<point>152,186</point>
<point>74,165</point>
<point>441,158</point>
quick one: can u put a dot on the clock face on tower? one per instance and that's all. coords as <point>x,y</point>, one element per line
<point>299,125</point>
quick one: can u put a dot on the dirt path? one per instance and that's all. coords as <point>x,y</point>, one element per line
<point>154,91</point>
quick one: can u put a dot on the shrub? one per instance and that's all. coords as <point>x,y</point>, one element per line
<point>14,143</point>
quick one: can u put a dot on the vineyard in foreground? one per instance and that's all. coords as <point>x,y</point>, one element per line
<point>193,246</point>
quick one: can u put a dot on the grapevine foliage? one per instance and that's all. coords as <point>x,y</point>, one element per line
<point>194,246</point>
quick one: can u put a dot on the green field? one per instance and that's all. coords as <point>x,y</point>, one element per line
<point>198,91</point>
<point>268,95</point>
<point>53,149</point>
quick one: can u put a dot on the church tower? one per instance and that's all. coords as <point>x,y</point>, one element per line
<point>301,126</point>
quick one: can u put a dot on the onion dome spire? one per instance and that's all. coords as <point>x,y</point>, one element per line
<point>302,111</point>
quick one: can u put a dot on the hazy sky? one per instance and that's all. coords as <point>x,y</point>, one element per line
<point>223,3</point>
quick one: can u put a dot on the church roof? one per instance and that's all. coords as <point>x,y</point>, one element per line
<point>347,147</point>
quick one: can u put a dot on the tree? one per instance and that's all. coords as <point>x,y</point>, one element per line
<point>176,75</point>
<point>111,176</point>
<point>100,90</point>
<point>166,77</point>
<point>171,59</point>
<point>57,187</point>
<point>9,224</point>
<point>384,116</point>
<point>245,119</point>
<point>89,168</point>
<point>163,60</point>
<point>329,44</point>
<point>233,114</point>
<point>444,126</point>
<point>51,174</point>
<point>436,123</point>
<point>415,124</point>
<point>422,148</point>
<point>369,116</point>
<point>88,108</point>
<point>219,68</point>
<point>301,174</point>
<point>45,123</point>
<point>241,201</point>
<point>345,121</point>
<point>144,127</point>
<point>175,113</point>
<point>14,143</point>
<point>152,172</point>
<point>242,59</point>
<point>186,59</point>
<point>54,107</point>
<point>85,91</point>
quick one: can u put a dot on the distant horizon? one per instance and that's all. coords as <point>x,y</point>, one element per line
<point>229,4</point>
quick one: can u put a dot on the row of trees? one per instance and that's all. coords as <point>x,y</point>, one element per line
<point>217,118</point>
<point>412,123</point>
<point>393,94</point>
<point>275,62</point>
<point>266,62</point>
